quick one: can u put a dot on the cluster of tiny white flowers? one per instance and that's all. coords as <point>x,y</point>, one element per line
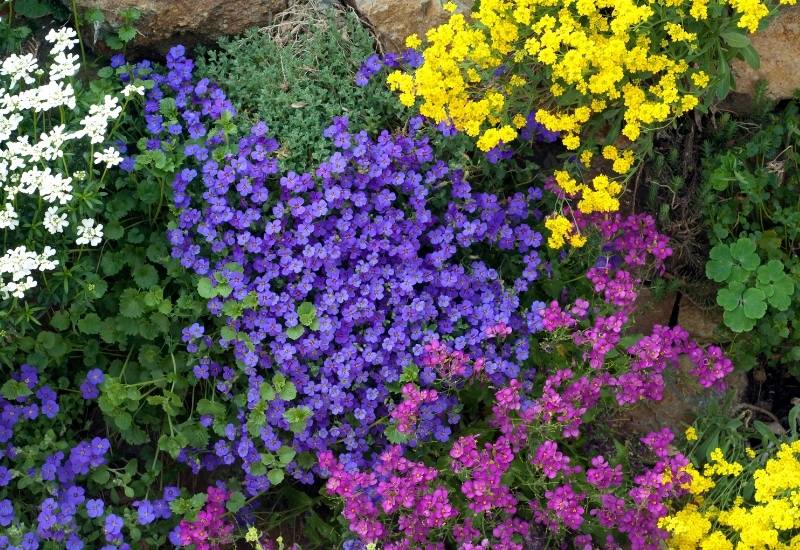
<point>31,165</point>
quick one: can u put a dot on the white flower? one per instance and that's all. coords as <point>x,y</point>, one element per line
<point>45,261</point>
<point>62,39</point>
<point>110,156</point>
<point>54,222</point>
<point>64,65</point>
<point>8,217</point>
<point>17,289</point>
<point>88,233</point>
<point>19,67</point>
<point>131,89</point>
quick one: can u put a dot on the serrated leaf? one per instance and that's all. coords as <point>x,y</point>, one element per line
<point>130,304</point>
<point>32,9</point>
<point>145,276</point>
<point>13,389</point>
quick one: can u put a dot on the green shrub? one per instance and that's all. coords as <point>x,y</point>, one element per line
<point>750,183</point>
<point>297,75</point>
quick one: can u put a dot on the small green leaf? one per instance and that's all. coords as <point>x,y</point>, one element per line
<point>206,406</point>
<point>235,502</point>
<point>123,420</point>
<point>275,476</point>
<point>205,289</point>
<point>12,389</point>
<point>286,454</point>
<point>295,332</point>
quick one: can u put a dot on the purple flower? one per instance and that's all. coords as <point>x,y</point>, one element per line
<point>94,508</point>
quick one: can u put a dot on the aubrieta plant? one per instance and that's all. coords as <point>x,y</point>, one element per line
<point>530,477</point>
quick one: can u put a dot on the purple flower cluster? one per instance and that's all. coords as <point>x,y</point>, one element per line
<point>64,498</point>
<point>359,241</point>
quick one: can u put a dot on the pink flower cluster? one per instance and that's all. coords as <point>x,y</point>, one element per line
<point>210,529</point>
<point>406,413</point>
<point>398,489</point>
<point>451,364</point>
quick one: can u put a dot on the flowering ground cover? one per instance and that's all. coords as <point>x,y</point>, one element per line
<point>390,328</point>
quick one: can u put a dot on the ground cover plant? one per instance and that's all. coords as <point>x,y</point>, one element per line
<point>268,316</point>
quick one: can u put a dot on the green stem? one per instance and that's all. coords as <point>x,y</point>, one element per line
<point>78,30</point>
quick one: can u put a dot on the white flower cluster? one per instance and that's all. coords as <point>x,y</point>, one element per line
<point>36,165</point>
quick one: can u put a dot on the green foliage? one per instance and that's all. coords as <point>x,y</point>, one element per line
<point>297,81</point>
<point>751,177</point>
<point>21,19</point>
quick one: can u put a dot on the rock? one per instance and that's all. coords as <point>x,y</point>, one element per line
<point>684,399</point>
<point>651,311</point>
<point>164,23</point>
<point>778,46</point>
<point>701,324</point>
<point>394,20</point>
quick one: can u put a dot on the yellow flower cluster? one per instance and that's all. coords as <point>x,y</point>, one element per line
<point>771,521</point>
<point>562,232</point>
<point>582,66</point>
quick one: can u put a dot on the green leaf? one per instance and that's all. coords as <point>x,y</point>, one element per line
<point>205,289</point>
<point>123,420</point>
<point>718,268</point>
<point>90,324</point>
<point>126,33</point>
<point>394,436</point>
<point>145,276</point>
<point>297,417</point>
<point>12,389</point>
<point>130,304</point>
<point>288,392</point>
<point>730,297</point>
<point>286,454</point>
<point>266,391</point>
<point>751,57</point>
<point>32,9</point>
<point>295,332</point>
<point>227,333</point>
<point>206,406</point>
<point>735,39</point>
<point>753,303</point>
<point>235,502</point>
<point>307,313</point>
<point>737,321</point>
<point>275,476</point>
<point>744,252</point>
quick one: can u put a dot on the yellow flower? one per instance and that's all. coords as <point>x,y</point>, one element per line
<point>450,6</point>
<point>691,433</point>
<point>700,79</point>
<point>413,41</point>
